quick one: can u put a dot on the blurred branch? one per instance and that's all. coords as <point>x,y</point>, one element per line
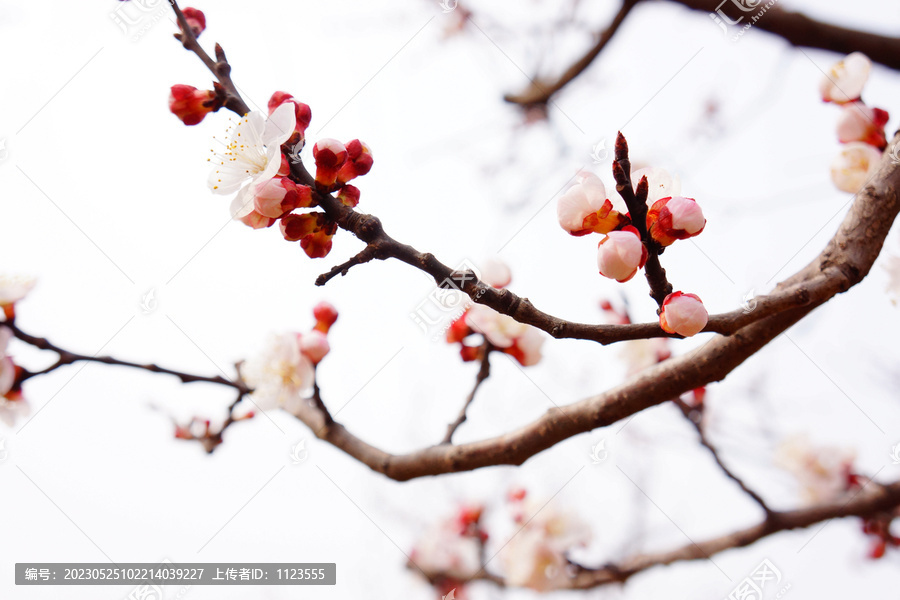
<point>795,28</point>
<point>483,373</point>
<point>799,30</point>
<point>870,500</point>
<point>540,91</point>
<point>694,415</point>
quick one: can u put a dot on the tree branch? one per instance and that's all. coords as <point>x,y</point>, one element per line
<point>871,500</point>
<point>540,92</point>
<point>66,358</point>
<point>690,413</point>
<point>795,28</point>
<point>843,263</point>
<point>483,373</point>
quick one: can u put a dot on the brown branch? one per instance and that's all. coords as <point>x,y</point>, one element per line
<point>871,500</point>
<point>694,415</point>
<point>540,92</point>
<point>365,255</point>
<point>799,30</point>
<point>219,67</point>
<point>636,200</point>
<point>843,263</point>
<point>795,28</point>
<point>66,358</point>
<point>483,373</point>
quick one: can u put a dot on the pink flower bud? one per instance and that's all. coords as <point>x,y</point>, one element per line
<point>620,254</point>
<point>330,155</point>
<point>584,208</point>
<point>845,81</point>
<point>279,196</point>
<point>359,162</point>
<point>860,123</point>
<point>349,195</point>
<point>196,20</point>
<point>302,115</point>
<point>256,221</point>
<point>326,315</point>
<point>683,314</point>
<point>314,346</point>
<point>854,166</point>
<point>677,218</point>
<point>190,104</point>
<point>495,273</point>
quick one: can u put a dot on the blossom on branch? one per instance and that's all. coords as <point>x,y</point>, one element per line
<point>683,314</point>
<point>536,555</point>
<point>620,254</point>
<point>677,218</point>
<point>854,166</point>
<point>252,156</point>
<point>860,123</point>
<point>823,473</point>
<point>281,374</point>
<point>585,208</point>
<point>12,403</point>
<point>452,548</point>
<point>505,334</point>
<point>845,80</point>
<point>12,289</point>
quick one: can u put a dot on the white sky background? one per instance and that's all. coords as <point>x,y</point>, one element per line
<point>457,174</point>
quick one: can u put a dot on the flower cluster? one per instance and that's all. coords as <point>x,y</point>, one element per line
<point>498,331</point>
<point>284,372</point>
<point>587,208</point>
<point>536,555</point>
<point>451,551</point>
<point>860,127</point>
<point>254,165</point>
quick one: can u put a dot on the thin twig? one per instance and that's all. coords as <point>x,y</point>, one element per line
<point>67,357</point>
<point>365,255</point>
<point>483,373</point>
<point>539,93</point>
<point>690,413</point>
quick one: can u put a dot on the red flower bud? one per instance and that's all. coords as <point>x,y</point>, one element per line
<point>349,195</point>
<point>326,315</point>
<point>359,161</point>
<point>190,104</point>
<point>330,156</point>
<point>196,20</point>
